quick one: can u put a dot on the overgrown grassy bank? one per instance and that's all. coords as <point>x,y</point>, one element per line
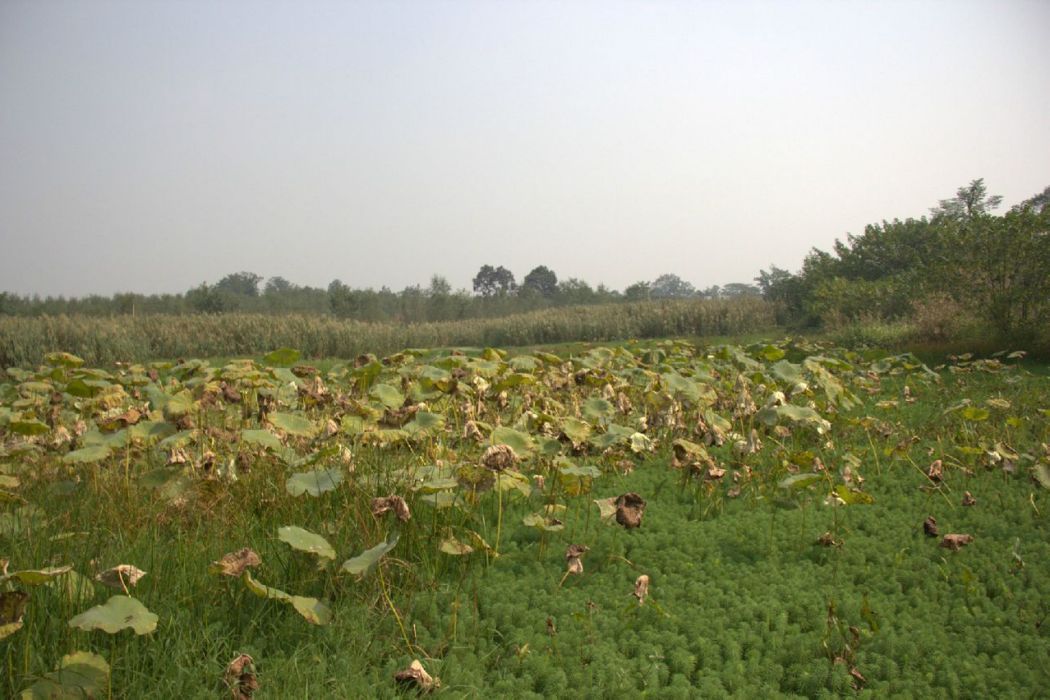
<point>786,489</point>
<point>103,341</point>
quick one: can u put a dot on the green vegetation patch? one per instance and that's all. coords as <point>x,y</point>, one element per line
<point>775,519</point>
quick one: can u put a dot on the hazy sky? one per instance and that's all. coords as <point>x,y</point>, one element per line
<point>149,146</point>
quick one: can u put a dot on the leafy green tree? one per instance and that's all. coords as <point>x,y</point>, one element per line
<point>490,281</point>
<point>739,289</point>
<point>541,280</point>
<point>639,291</point>
<point>969,202</point>
<point>240,283</point>
<point>669,286</point>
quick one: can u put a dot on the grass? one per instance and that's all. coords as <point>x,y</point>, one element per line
<point>743,599</point>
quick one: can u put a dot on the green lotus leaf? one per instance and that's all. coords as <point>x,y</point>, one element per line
<point>797,482</point>
<point>305,541</point>
<point>82,389</point>
<point>36,577</point>
<point>87,455</point>
<point>314,482</point>
<point>975,413</point>
<point>366,561</point>
<point>520,442</point>
<point>149,430</point>
<point>573,470</point>
<point>771,353</point>
<point>293,424</point>
<point>283,357</point>
<point>63,359</point>
<point>597,409</point>
<point>425,422</point>
<point>614,435</point>
<point>576,430</point>
<point>543,522</point>
<point>514,380</point>
<point>117,613</point>
<point>28,426</point>
<point>454,547</point>
<point>788,374</point>
<point>852,497</point>
<point>177,406</point>
<point>388,395</point>
<point>312,609</point>
<point>81,674</point>
<point>263,438</point>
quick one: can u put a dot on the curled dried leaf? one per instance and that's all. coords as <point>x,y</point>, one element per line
<point>641,588</point>
<point>394,503</point>
<point>573,561</point>
<point>120,577</point>
<point>240,677</point>
<point>829,540</point>
<point>236,563</point>
<point>936,471</point>
<point>499,458</point>
<point>416,675</point>
<point>629,510</point>
<point>968,499</point>
<point>955,541</point>
<point>929,526</point>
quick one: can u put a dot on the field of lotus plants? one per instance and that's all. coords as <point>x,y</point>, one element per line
<point>663,518</point>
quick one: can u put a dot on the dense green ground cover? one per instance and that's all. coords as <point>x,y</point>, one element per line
<point>743,599</point>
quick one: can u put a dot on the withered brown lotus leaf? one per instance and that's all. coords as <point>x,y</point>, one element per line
<point>472,432</point>
<point>629,510</point>
<point>499,458</point>
<point>416,675</point>
<point>929,526</point>
<point>641,588</point>
<point>394,503</point>
<point>829,540</point>
<point>120,576</point>
<point>240,677</point>
<point>236,563</point>
<point>714,472</point>
<point>955,541</point>
<point>936,471</point>
<point>573,561</point>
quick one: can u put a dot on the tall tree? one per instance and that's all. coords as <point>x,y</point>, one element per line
<point>492,281</point>
<point>241,283</point>
<point>669,286</point>
<point>542,281</point>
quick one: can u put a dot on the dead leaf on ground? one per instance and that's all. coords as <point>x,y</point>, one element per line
<point>829,540</point>
<point>629,510</point>
<point>394,503</point>
<point>641,588</point>
<point>240,677</point>
<point>936,471</point>
<point>416,675</point>
<point>120,576</point>
<point>573,561</point>
<point>955,542</point>
<point>929,526</point>
<point>235,563</point>
<point>968,499</point>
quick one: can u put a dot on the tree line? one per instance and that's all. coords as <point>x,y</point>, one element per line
<point>962,263</point>
<point>495,292</point>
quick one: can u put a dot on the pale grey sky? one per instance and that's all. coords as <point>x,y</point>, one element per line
<point>149,146</point>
